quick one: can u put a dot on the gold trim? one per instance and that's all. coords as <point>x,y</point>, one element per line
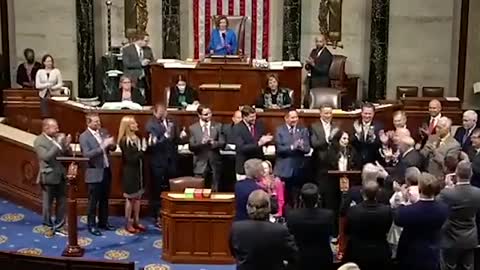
<point>142,15</point>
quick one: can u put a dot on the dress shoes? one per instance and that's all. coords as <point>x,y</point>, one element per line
<point>94,231</point>
<point>107,227</point>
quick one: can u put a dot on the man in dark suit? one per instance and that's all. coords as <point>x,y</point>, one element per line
<point>463,133</point>
<point>258,243</point>
<point>135,63</point>
<point>419,245</point>
<point>228,129</point>
<point>165,138</point>
<point>409,157</point>
<point>366,139</point>
<point>367,225</point>
<point>250,137</point>
<point>52,175</point>
<point>96,144</point>
<point>474,156</point>
<point>321,136</point>
<point>253,171</point>
<point>206,140</point>
<point>318,63</point>
<point>312,228</point>
<point>292,142</point>
<point>459,237</point>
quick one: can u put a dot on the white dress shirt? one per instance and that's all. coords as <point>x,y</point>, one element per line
<point>205,128</point>
<point>99,139</point>
<point>327,128</point>
<point>53,141</point>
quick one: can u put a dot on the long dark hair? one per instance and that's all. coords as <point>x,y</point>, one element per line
<point>45,57</point>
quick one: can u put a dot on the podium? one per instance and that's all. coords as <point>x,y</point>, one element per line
<point>346,178</point>
<point>72,249</point>
<point>197,231</point>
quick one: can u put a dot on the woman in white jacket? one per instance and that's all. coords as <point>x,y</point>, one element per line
<point>49,82</point>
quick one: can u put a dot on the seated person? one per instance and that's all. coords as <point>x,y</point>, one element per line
<point>181,94</point>
<point>274,97</point>
<point>223,41</point>
<point>127,92</point>
<point>27,71</point>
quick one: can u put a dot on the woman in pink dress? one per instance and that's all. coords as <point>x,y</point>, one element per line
<point>273,186</point>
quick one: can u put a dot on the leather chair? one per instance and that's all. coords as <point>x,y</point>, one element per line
<point>337,74</point>
<point>238,25</point>
<point>432,91</point>
<point>325,95</point>
<point>407,91</point>
<point>179,184</point>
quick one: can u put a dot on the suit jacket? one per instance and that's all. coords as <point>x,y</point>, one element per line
<point>42,80</point>
<point>354,197</point>
<point>367,148</point>
<point>227,130</point>
<point>205,154</point>
<point>148,53</point>
<point>319,72</point>
<point>319,143</point>
<point>333,156</point>
<point>435,159</point>
<point>246,144</point>
<point>312,229</point>
<point>251,253</point>
<point>474,157</point>
<point>419,244</point>
<point>91,149</point>
<point>243,188</point>
<point>164,152</point>
<point>459,135</point>
<point>51,171</point>
<point>367,225</point>
<point>136,96</point>
<point>289,161</point>
<point>227,47</point>
<point>190,96</point>
<point>132,65</point>
<point>460,230</point>
<point>411,159</point>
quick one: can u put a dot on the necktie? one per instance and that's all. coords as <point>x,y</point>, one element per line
<point>140,53</point>
<point>292,130</point>
<point>252,130</point>
<point>465,137</point>
<point>432,125</point>
<point>205,131</point>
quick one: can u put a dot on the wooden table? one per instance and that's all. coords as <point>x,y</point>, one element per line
<point>196,231</point>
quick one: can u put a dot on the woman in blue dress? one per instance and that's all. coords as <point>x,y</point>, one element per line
<point>223,40</point>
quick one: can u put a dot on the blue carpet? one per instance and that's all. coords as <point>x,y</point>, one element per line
<point>20,231</point>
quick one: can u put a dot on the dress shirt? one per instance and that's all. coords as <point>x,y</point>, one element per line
<point>408,151</point>
<point>435,119</point>
<point>99,139</point>
<point>54,141</point>
<point>205,128</point>
<point>139,51</point>
<point>327,128</point>
<point>320,51</point>
<point>342,163</point>
<point>427,199</point>
<point>366,128</point>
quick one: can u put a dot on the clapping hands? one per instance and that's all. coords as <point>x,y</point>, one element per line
<point>265,139</point>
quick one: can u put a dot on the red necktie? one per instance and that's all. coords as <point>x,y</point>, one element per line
<point>252,130</point>
<point>431,127</point>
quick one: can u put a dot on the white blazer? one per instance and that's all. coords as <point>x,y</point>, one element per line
<point>52,83</point>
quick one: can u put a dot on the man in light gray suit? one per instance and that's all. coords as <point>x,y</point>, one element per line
<point>439,146</point>
<point>206,140</point>
<point>96,145</point>
<point>52,174</point>
<point>459,237</point>
<point>135,63</point>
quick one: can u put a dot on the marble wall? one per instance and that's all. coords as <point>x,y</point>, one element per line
<point>472,72</point>
<point>356,19</point>
<point>49,27</point>
<point>421,51</point>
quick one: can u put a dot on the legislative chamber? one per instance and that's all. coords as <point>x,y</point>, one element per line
<point>247,134</point>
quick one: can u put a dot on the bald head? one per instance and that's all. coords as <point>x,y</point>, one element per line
<point>320,41</point>
<point>50,126</point>
<point>469,120</point>
<point>434,107</point>
<point>443,126</point>
<point>237,117</point>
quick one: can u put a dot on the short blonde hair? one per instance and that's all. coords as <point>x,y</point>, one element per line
<point>428,185</point>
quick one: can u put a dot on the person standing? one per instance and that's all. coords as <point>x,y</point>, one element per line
<point>96,144</point>
<point>27,71</point>
<point>463,133</point>
<point>459,237</point>
<point>135,63</point>
<point>419,244</point>
<point>132,171</point>
<point>366,139</point>
<point>318,63</point>
<point>52,175</point>
<point>48,81</point>
<point>206,140</point>
<point>292,143</point>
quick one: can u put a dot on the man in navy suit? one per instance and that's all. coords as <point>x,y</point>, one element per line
<point>250,137</point>
<point>463,133</point>
<point>366,139</point>
<point>164,137</point>
<point>292,142</point>
<point>419,244</point>
<point>96,145</point>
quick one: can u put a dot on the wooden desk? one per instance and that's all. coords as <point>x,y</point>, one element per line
<point>196,231</point>
<point>252,80</point>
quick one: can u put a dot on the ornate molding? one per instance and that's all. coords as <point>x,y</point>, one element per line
<point>330,21</point>
<point>136,17</point>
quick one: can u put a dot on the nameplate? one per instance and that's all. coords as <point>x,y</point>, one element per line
<point>220,87</point>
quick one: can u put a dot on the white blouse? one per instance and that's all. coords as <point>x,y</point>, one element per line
<point>48,81</point>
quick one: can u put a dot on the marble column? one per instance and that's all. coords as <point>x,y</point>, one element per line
<point>377,79</point>
<point>171,28</point>
<point>292,10</point>
<point>85,48</point>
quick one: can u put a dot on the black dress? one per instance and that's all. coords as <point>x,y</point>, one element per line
<point>132,167</point>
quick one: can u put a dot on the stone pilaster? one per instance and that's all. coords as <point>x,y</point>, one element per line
<point>171,28</point>
<point>292,10</point>
<point>85,48</point>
